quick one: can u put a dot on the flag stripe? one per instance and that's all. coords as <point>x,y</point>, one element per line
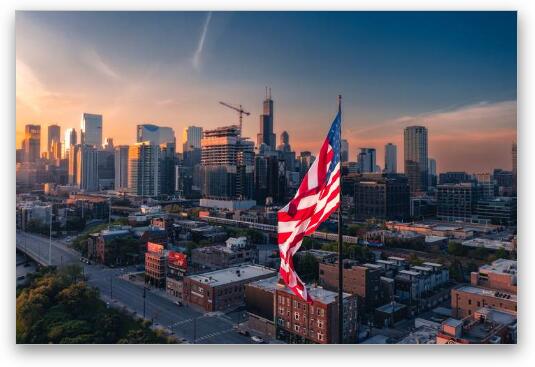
<point>316,199</point>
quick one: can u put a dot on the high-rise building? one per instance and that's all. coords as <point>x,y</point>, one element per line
<point>456,201</point>
<point>168,163</point>
<point>367,160</point>
<point>381,196</point>
<point>191,138</point>
<point>266,134</point>
<point>31,144</point>
<point>514,166</point>
<point>69,140</point>
<point>227,163</point>
<point>155,135</point>
<point>191,146</point>
<point>286,150</point>
<point>54,137</point>
<point>432,171</point>
<point>106,169</point>
<point>91,130</point>
<point>72,170</point>
<point>486,186</point>
<point>121,167</point>
<point>270,179</point>
<point>391,158</point>
<point>416,155</point>
<point>108,145</point>
<point>345,150</point>
<point>87,168</point>
<point>144,169</point>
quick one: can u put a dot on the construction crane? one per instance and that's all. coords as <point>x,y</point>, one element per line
<point>240,110</point>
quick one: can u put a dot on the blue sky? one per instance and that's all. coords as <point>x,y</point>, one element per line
<point>393,69</point>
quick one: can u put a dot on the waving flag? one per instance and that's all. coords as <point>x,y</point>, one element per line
<point>316,199</point>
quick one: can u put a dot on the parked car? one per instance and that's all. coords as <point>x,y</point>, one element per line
<point>244,332</point>
<point>179,304</point>
<point>257,339</point>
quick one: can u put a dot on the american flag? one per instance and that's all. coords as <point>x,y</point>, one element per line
<point>316,199</point>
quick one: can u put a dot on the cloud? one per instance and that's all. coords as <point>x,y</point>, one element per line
<point>196,61</point>
<point>93,59</point>
<point>34,95</point>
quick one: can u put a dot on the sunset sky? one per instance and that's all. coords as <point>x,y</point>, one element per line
<point>452,72</point>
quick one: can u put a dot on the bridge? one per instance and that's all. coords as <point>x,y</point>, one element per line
<point>273,229</point>
<point>37,248</point>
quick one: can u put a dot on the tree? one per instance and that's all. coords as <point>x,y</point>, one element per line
<point>307,267</point>
<point>56,307</point>
<point>455,248</point>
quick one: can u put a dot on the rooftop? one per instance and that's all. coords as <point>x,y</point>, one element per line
<point>268,284</point>
<point>503,266</point>
<point>317,293</point>
<point>487,292</point>
<point>231,275</point>
<point>390,307</point>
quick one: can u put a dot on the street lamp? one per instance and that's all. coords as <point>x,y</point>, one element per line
<point>50,239</point>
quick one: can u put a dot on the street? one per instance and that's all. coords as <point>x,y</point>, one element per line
<point>183,321</point>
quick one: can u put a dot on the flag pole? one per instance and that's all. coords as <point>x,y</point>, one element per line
<point>340,238</point>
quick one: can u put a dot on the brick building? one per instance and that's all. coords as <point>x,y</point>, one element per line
<point>465,300</point>
<point>299,322</point>
<point>361,280</point>
<point>222,289</point>
<point>485,326</point>
<point>493,285</point>
<point>236,251</point>
<point>500,275</point>
<point>155,266</point>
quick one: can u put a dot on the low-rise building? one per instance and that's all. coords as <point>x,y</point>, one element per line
<point>155,268</point>
<point>485,326</point>
<point>260,301</point>
<point>222,289</point>
<point>501,274</point>
<point>300,322</point>
<point>466,299</point>
<point>361,280</point>
<point>235,251</point>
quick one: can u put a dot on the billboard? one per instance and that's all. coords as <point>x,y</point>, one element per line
<point>177,260</point>
<point>154,247</point>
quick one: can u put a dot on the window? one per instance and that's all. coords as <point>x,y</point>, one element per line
<point>320,336</point>
<point>469,301</point>
<point>296,328</point>
<point>296,315</point>
<point>478,304</point>
<point>320,324</point>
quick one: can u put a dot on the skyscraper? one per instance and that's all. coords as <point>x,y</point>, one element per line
<point>391,158</point>
<point>72,156</point>
<point>54,137</point>
<point>514,166</point>
<point>87,168</point>
<point>191,138</point>
<point>287,153</point>
<point>416,155</point>
<point>432,171</point>
<point>31,144</point>
<point>144,169</point>
<point>70,139</point>
<point>266,134</point>
<point>191,146</point>
<point>155,134</point>
<point>366,160</point>
<point>345,150</point>
<point>91,130</point>
<point>121,167</point>
<point>227,163</point>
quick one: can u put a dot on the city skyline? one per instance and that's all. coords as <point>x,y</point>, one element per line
<point>470,115</point>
